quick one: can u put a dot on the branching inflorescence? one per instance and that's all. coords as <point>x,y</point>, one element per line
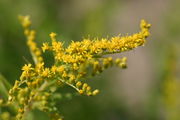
<point>71,66</point>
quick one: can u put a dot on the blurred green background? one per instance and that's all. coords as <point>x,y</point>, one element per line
<point>148,90</point>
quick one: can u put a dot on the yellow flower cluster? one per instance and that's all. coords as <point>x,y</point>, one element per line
<point>79,52</point>
<point>72,65</point>
<point>30,35</point>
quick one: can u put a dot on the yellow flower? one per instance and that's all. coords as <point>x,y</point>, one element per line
<point>78,84</point>
<point>95,92</point>
<point>61,69</point>
<point>27,67</point>
<point>71,66</point>
<point>46,73</point>
<point>57,46</point>
<point>72,77</point>
<point>53,36</point>
<point>64,75</point>
<point>25,20</point>
<point>45,47</point>
<point>54,69</point>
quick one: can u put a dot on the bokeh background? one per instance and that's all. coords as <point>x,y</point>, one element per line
<point>149,89</point>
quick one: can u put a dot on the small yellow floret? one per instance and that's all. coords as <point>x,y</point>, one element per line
<point>27,68</point>
<point>53,36</point>
<point>45,47</point>
<point>95,92</point>
<point>25,20</point>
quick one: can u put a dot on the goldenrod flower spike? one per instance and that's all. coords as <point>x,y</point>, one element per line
<point>72,65</point>
<point>30,36</point>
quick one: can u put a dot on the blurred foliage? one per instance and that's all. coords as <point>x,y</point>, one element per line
<point>167,61</point>
<point>171,89</point>
<point>4,87</point>
<point>66,18</point>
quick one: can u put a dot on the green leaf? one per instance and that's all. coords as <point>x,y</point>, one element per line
<point>4,87</point>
